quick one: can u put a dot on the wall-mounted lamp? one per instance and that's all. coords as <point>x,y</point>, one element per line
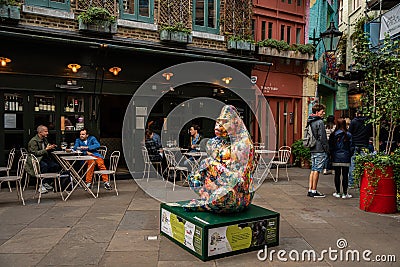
<point>4,61</point>
<point>227,80</point>
<point>330,38</point>
<point>115,70</point>
<point>74,67</point>
<point>167,75</point>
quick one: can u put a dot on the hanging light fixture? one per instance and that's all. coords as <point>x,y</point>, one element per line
<point>331,38</point>
<point>4,61</point>
<point>115,70</point>
<point>74,67</point>
<point>227,80</point>
<point>167,75</point>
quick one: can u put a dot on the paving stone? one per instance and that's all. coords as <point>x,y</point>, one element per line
<point>131,240</point>
<point>89,233</point>
<point>185,264</point>
<point>79,254</point>
<point>18,260</point>
<point>22,215</point>
<point>33,240</point>
<point>7,231</point>
<point>47,222</point>
<point>140,220</point>
<point>169,251</point>
<point>144,204</point>
<point>129,259</point>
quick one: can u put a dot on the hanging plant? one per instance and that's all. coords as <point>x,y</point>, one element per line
<point>96,15</point>
<point>177,27</point>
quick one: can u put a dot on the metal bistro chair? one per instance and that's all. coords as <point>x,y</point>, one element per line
<point>40,176</point>
<point>148,163</point>
<point>10,162</point>
<point>25,153</point>
<point>114,158</point>
<point>284,153</point>
<point>173,165</point>
<point>17,178</point>
<point>103,151</point>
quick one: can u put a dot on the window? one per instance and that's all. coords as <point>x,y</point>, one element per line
<point>253,28</point>
<point>289,1</point>
<point>298,35</point>
<point>356,4</point>
<point>288,30</point>
<point>270,24</point>
<point>298,2</point>
<point>139,10</point>
<point>263,30</point>
<point>206,15</point>
<point>340,11</point>
<point>282,32</point>
<point>57,4</point>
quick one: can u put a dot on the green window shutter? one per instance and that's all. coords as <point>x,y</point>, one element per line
<point>63,5</point>
<point>43,3</point>
<point>143,10</point>
<point>206,23</point>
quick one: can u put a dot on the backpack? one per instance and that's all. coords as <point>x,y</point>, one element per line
<point>309,139</point>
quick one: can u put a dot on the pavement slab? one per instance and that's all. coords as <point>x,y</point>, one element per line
<point>111,230</point>
<point>27,240</point>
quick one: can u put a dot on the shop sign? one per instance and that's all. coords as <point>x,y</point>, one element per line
<point>267,89</point>
<point>341,98</point>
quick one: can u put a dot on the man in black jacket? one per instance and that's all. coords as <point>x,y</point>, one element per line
<point>319,151</point>
<point>361,132</point>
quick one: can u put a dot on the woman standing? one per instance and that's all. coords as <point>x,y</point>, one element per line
<point>329,128</point>
<point>341,148</point>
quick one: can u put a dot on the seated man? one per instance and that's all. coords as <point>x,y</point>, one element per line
<point>40,148</point>
<point>89,145</point>
<point>153,148</point>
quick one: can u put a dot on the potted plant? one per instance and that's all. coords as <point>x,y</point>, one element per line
<point>10,9</point>
<point>303,51</point>
<point>237,42</point>
<point>375,173</point>
<point>381,86</point>
<point>272,47</point>
<point>177,33</point>
<point>97,19</point>
<point>302,154</point>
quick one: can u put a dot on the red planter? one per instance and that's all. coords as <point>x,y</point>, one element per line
<point>381,199</point>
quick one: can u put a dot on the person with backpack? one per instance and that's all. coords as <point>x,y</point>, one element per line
<point>316,140</point>
<point>341,148</point>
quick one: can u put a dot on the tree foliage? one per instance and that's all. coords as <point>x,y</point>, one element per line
<point>380,69</point>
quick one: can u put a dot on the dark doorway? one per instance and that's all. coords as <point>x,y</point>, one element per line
<point>112,112</point>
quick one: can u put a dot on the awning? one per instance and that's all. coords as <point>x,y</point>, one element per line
<point>74,38</point>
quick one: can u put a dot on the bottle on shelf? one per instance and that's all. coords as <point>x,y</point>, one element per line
<point>6,103</point>
<point>20,105</point>
<point>40,104</point>
<point>36,105</point>
<point>16,104</point>
<point>76,105</point>
<point>11,104</point>
<point>48,108</point>
<point>53,106</point>
<point>71,106</point>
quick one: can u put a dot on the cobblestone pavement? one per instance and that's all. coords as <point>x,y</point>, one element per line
<point>112,230</point>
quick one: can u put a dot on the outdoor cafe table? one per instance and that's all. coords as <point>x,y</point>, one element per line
<point>68,165</point>
<point>197,156</point>
<point>265,162</point>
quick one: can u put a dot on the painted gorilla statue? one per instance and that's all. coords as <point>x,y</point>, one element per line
<point>224,179</point>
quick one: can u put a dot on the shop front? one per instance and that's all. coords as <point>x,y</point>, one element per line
<point>39,87</point>
<point>282,87</point>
